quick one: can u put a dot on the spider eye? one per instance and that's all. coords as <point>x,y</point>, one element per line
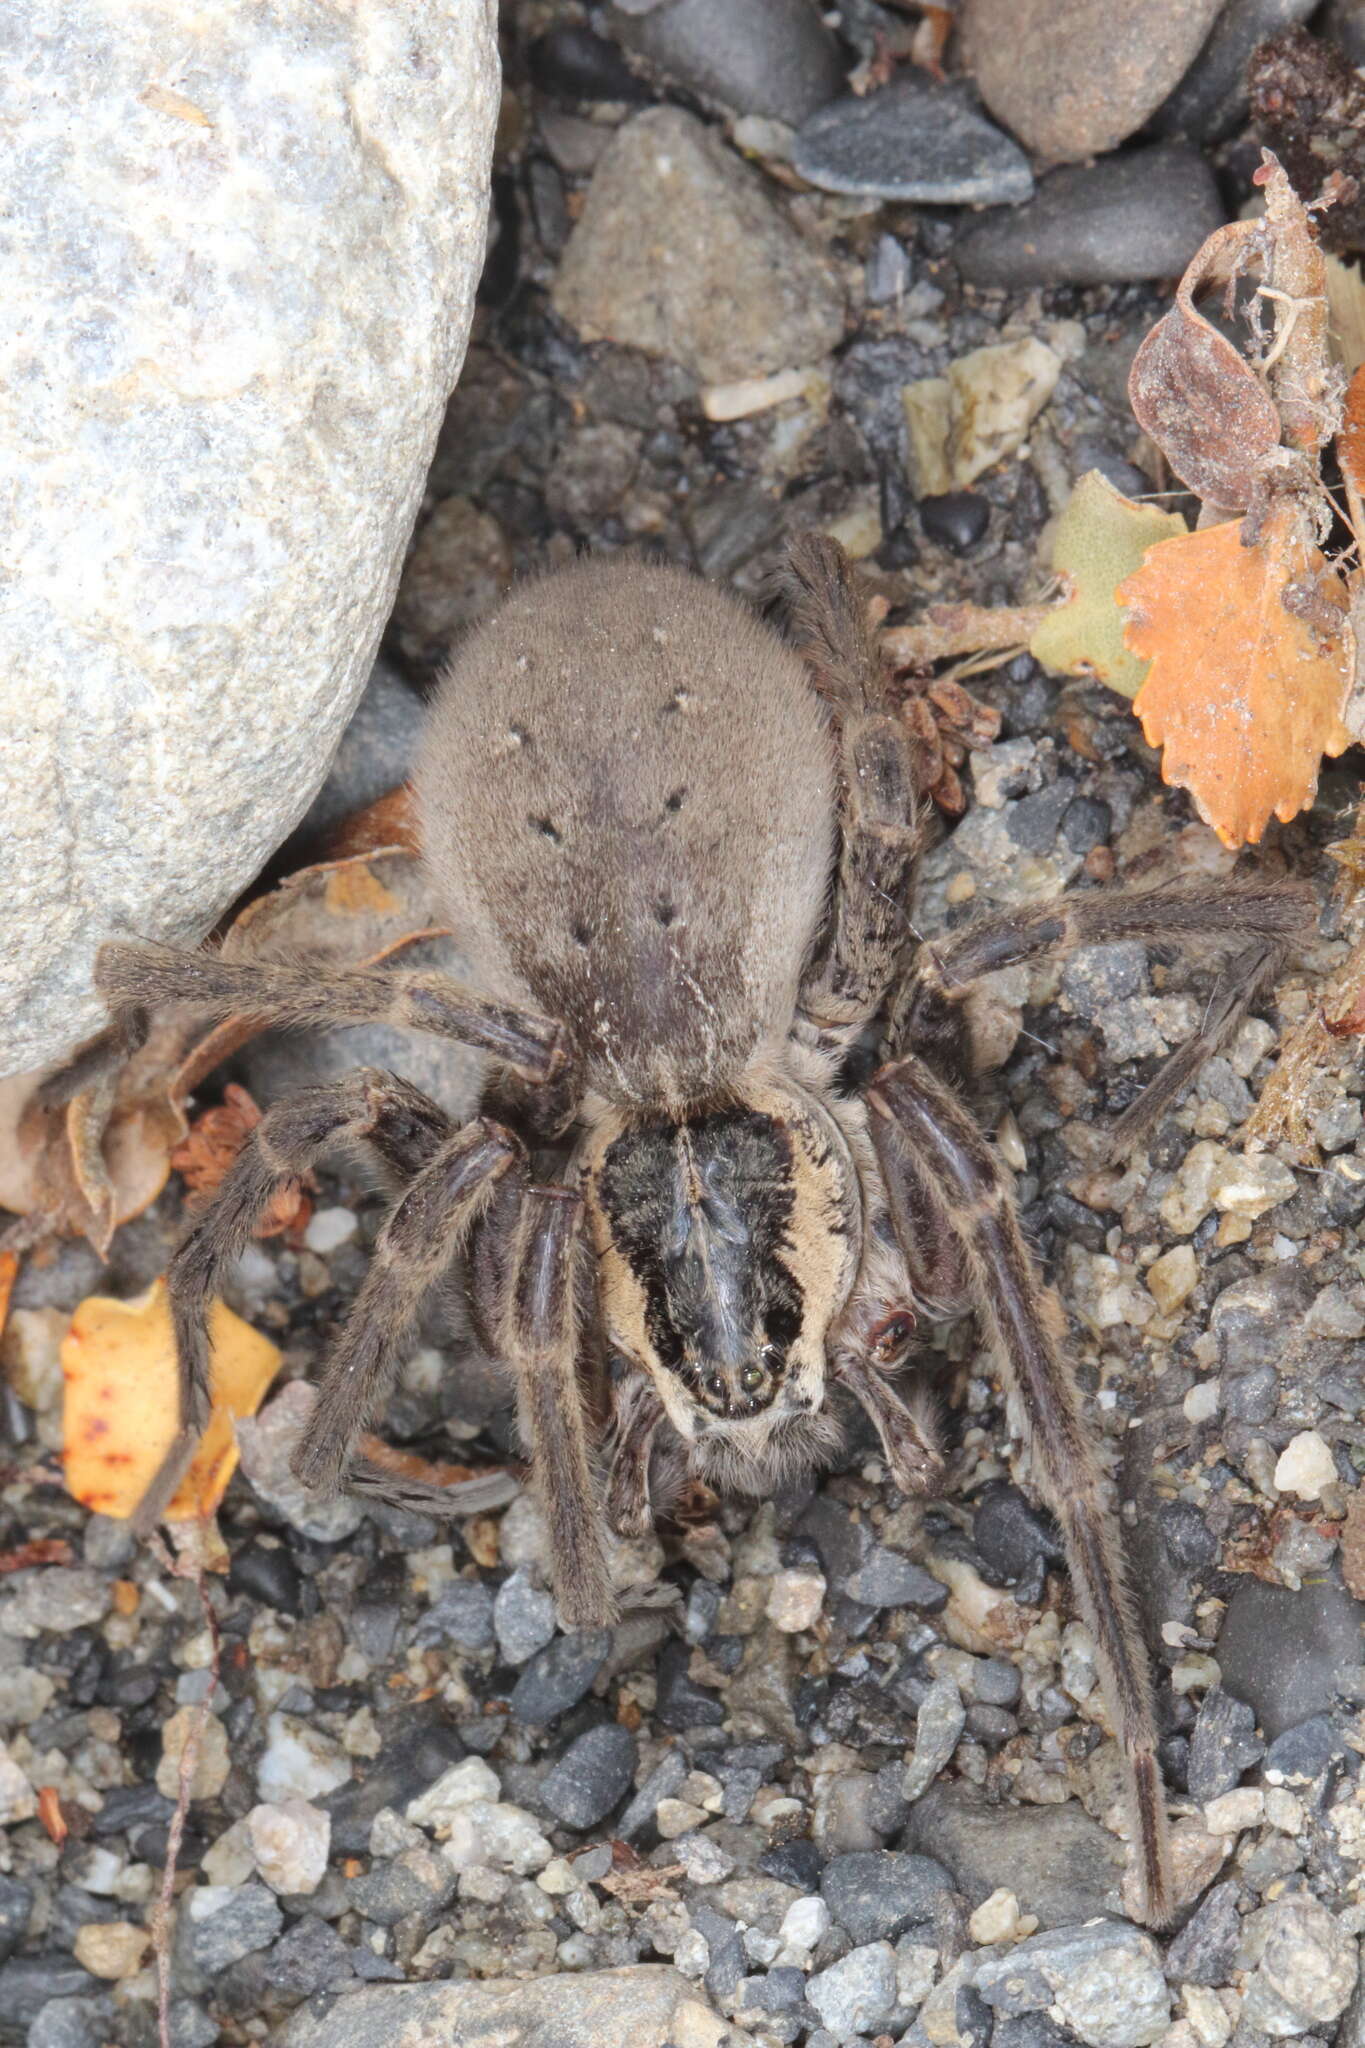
<point>752,1378</point>
<point>890,1337</point>
<point>715,1385</point>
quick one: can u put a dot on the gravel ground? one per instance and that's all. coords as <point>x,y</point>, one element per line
<point>854,1784</point>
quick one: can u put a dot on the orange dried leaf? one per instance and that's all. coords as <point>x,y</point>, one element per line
<point>9,1273</point>
<point>214,1140</point>
<point>119,1369</point>
<point>1250,668</point>
<point>51,1815</point>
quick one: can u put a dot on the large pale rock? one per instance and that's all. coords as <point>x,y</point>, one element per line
<point>241,256</point>
<point>646,2006</point>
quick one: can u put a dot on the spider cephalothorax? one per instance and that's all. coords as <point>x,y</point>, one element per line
<point>680,851</point>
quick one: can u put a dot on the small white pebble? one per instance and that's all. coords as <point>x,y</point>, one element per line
<point>804,1924</point>
<point>1305,1466</point>
<point>329,1228</point>
<point>674,1817</point>
<point>998,1919</point>
<point>1244,1807</point>
<point>795,1599</point>
<point>1202,1402</point>
<point>462,1783</point>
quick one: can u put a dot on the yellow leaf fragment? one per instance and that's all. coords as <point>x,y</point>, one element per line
<point>1100,538</point>
<point>1249,653</point>
<point>119,1415</point>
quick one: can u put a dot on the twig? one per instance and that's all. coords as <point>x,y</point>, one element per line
<point>163,1919</point>
<point>949,629</point>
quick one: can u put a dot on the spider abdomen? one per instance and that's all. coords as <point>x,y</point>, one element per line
<point>628,806</point>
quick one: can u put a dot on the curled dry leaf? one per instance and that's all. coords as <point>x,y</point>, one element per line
<point>120,1401</point>
<point>1248,677</point>
<point>1194,393</point>
<point>214,1140</point>
<point>1100,538</point>
<point>86,1168</point>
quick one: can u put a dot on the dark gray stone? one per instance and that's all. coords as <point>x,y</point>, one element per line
<point>1113,222</point>
<point>267,1572</point>
<point>374,755</point>
<point>558,1676</point>
<point>248,1919</point>
<point>1223,1745</point>
<point>1257,1319</point>
<point>16,1903</point>
<point>461,1614</point>
<point>523,1618</point>
<point>1289,1653</point>
<point>886,1579</point>
<point>1303,1752</point>
<point>419,1881</point>
<point>798,1862</point>
<point>592,1776</point>
<point>1096,976</point>
<point>913,140</point>
<point>1206,1947</point>
<point>770,57</point>
<point>1211,99</point>
<point>1031,2030</point>
<point>957,520</point>
<point>71,2023</point>
<point>996,1682</point>
<point>1060,1864</point>
<point>1011,1534</point>
<point>28,1983</point>
<point>311,1957</point>
<point>680,1702</point>
<point>875,1894</point>
<point>662,1783</point>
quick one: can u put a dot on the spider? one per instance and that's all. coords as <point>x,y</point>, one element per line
<point>680,849</point>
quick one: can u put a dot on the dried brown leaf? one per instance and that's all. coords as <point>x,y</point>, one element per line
<point>1248,683</point>
<point>1193,392</point>
<point>204,1155</point>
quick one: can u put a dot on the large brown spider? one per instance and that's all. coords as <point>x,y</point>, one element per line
<point>681,853</point>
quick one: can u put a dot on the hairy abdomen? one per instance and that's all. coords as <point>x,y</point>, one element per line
<point>627,801</point>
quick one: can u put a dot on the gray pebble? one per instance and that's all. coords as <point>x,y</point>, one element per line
<point>771,57</point>
<point>886,1579</point>
<point>1113,222</point>
<point>1060,1864</point>
<point>375,753</point>
<point>557,1677</point>
<point>662,1783</point>
<point>28,1983</point>
<point>523,1618</point>
<point>462,1614</point>
<point>1205,1949</point>
<point>876,1894</point>
<point>590,1778</point>
<point>418,1881</point>
<point>1304,1751</point>
<point>996,1682</point>
<point>1104,1981</point>
<point>1289,1653</point>
<point>912,140</point>
<point>940,1723</point>
<point>16,1903</point>
<point>310,1957</point>
<point>1223,1745</point>
<point>1096,976</point>
<point>245,1917</point>
<point>857,1994</point>
<point>71,2023</point>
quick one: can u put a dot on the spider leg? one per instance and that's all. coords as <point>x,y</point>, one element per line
<point>1273,911</point>
<point>880,833</point>
<point>395,1120</point>
<point>143,974</point>
<point>1025,1322</point>
<point>423,1231</point>
<point>905,1424</point>
<point>638,1413</point>
<point>539,1339</point>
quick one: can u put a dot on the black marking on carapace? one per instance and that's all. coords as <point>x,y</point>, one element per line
<point>700,1210</point>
